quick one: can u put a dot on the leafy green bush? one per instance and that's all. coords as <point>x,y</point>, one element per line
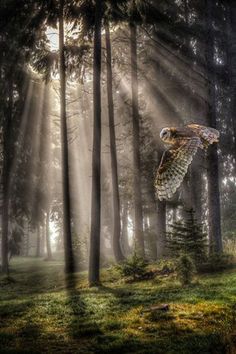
<point>134,267</point>
<point>185,269</point>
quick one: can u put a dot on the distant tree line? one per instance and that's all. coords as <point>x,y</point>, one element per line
<point>143,65</point>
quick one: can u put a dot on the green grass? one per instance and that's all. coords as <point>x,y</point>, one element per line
<point>43,312</point>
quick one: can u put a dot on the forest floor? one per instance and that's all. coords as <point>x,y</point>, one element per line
<point>42,312</point>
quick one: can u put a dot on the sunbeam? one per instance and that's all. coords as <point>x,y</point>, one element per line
<point>117,181</point>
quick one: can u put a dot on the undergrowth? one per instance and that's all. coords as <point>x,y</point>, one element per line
<point>41,311</point>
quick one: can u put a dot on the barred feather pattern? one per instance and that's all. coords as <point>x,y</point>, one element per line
<point>174,166</point>
<point>208,135</point>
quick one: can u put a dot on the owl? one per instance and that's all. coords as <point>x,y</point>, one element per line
<point>175,161</point>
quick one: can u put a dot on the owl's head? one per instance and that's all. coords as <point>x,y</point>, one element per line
<point>165,134</point>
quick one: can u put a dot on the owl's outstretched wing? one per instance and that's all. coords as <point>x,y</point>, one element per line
<point>174,165</point>
<point>208,135</point>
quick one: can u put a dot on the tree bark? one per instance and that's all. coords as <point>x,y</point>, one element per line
<point>138,217</point>
<point>232,66</point>
<point>196,175</point>
<point>161,218</point>
<point>161,227</point>
<point>114,169</point>
<point>153,227</point>
<point>6,178</point>
<point>125,236</point>
<point>68,249</point>
<point>214,213</point>
<point>94,259</point>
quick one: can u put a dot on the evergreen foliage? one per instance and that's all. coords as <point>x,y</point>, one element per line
<point>134,267</point>
<point>217,262</point>
<point>187,236</point>
<point>185,269</point>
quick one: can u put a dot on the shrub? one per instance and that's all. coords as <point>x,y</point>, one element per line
<point>134,267</point>
<point>187,237</point>
<point>230,243</point>
<point>166,265</point>
<point>217,262</point>
<point>185,269</point>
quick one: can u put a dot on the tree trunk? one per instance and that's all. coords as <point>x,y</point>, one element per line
<point>26,253</point>
<point>161,218</point>
<point>125,236</point>
<point>214,214</point>
<point>151,212</point>
<point>5,218</point>
<point>38,244</point>
<point>6,178</point>
<point>43,243</point>
<point>138,217</point>
<point>161,226</point>
<point>68,249</point>
<point>114,169</point>
<point>48,239</point>
<point>94,259</point>
<point>232,66</point>
<point>187,195</point>
<point>192,196</point>
<point>153,227</point>
<point>196,175</point>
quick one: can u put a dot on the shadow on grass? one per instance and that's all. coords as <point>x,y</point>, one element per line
<point>94,320</point>
<point>14,310</point>
<point>82,326</point>
<point>188,344</point>
<point>18,335</point>
<point>31,280</point>
<point>21,326</point>
<point>168,336</point>
<point>197,292</point>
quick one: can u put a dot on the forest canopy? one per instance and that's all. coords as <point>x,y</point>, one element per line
<point>87,86</point>
<point>117,176</point>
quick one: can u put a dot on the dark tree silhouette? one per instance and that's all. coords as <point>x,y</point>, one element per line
<point>232,65</point>
<point>69,258</point>
<point>138,218</point>
<point>7,138</point>
<point>94,259</point>
<point>114,168</point>
<point>214,214</point>
<point>38,242</point>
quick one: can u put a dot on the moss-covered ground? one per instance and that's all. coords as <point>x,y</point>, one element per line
<point>43,312</point>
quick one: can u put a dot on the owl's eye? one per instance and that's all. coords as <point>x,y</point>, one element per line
<point>164,134</point>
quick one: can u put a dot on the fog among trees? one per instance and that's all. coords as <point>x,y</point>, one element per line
<point>86,88</point>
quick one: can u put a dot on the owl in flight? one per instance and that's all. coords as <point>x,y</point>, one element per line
<point>175,161</point>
